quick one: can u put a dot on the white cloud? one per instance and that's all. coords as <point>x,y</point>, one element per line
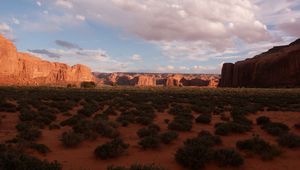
<point>64,3</point>
<point>51,23</point>
<point>80,17</point>
<point>38,3</point>
<point>6,30</point>
<point>189,20</point>
<point>96,59</point>
<point>15,21</point>
<point>136,57</point>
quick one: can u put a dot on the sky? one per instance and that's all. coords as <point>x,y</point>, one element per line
<point>173,36</point>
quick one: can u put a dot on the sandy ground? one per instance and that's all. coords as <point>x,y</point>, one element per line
<point>82,158</point>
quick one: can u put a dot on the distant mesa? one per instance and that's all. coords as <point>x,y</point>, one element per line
<point>158,79</point>
<point>278,67</point>
<point>24,69</point>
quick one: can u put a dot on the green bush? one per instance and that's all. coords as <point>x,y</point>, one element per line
<point>168,137</point>
<point>71,139</point>
<point>262,120</point>
<point>258,146</point>
<point>228,157</point>
<point>203,118</point>
<point>150,142</point>
<point>112,149</point>
<point>289,140</point>
<point>276,128</point>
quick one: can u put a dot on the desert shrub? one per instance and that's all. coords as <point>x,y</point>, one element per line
<point>168,137</point>
<point>177,109</point>
<point>71,139</point>
<point>262,120</point>
<point>297,126</point>
<point>112,149</point>
<point>87,84</point>
<point>258,146</point>
<point>228,157</point>
<point>230,127</point>
<point>41,148</point>
<point>7,107</point>
<point>242,120</point>
<point>275,128</point>
<point>204,118</point>
<point>28,115</point>
<point>180,124</point>
<point>197,152</point>
<point>193,156</point>
<point>88,109</point>
<point>72,120</point>
<point>30,134</point>
<point>151,142</point>
<point>151,130</point>
<point>110,111</point>
<point>137,167</point>
<point>106,129</point>
<point>144,120</point>
<point>289,140</point>
<point>54,126</point>
<point>222,129</point>
<point>15,160</point>
<point>205,138</point>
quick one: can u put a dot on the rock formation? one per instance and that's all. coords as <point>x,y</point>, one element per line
<point>24,69</point>
<point>144,80</point>
<point>278,67</point>
<point>157,79</point>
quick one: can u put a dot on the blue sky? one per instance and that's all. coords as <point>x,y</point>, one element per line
<point>190,36</point>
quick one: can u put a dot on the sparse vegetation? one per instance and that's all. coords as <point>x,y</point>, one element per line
<point>289,140</point>
<point>11,159</point>
<point>88,84</point>
<point>258,146</point>
<point>137,167</point>
<point>71,139</point>
<point>276,128</point>
<point>150,142</point>
<point>204,118</point>
<point>197,152</point>
<point>91,113</point>
<point>228,157</point>
<point>263,120</point>
<point>168,137</point>
<point>112,149</point>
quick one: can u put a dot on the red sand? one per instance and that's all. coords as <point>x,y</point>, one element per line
<point>82,158</point>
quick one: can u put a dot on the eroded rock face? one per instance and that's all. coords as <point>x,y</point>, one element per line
<point>278,67</point>
<point>144,81</point>
<point>158,79</point>
<point>24,69</point>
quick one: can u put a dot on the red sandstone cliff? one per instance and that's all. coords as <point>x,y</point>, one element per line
<point>278,67</point>
<point>24,69</point>
<point>157,79</point>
